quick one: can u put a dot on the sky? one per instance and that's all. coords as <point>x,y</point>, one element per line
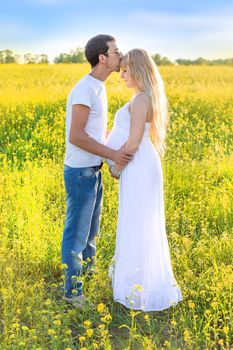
<point>175,29</point>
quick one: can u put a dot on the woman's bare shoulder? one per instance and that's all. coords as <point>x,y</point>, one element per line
<point>142,99</point>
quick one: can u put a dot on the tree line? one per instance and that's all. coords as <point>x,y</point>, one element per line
<point>78,56</point>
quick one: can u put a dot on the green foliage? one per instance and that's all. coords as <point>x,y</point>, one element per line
<point>161,61</point>
<point>8,56</point>
<point>203,61</point>
<point>76,56</point>
<point>33,59</point>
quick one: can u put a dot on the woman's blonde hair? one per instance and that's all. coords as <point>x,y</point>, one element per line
<point>143,70</point>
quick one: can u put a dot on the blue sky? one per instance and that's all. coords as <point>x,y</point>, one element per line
<point>187,29</point>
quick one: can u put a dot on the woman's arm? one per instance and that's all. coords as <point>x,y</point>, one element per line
<point>139,111</point>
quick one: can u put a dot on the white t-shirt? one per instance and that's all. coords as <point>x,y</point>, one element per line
<point>90,92</point>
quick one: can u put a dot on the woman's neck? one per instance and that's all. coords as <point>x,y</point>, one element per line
<point>137,91</point>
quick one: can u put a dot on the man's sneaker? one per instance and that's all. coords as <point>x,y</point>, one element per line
<point>78,301</point>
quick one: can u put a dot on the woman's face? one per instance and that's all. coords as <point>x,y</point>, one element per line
<point>130,82</point>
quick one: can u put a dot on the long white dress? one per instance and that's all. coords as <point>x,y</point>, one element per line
<point>142,276</point>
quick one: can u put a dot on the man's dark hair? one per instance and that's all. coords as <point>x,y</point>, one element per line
<point>95,46</point>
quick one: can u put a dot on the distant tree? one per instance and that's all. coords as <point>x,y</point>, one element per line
<point>43,59</point>
<point>161,61</point>
<point>1,57</point>
<point>157,58</point>
<point>75,56</point>
<point>30,58</point>
<point>78,56</point>
<point>8,56</point>
<point>227,61</point>
<point>201,61</point>
<point>183,61</point>
<point>62,58</point>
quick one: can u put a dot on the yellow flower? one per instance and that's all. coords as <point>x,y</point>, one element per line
<point>25,328</point>
<point>186,335</point>
<point>214,304</point>
<point>87,323</point>
<point>101,326</point>
<point>101,307</point>
<point>138,287</point>
<point>105,333</point>
<point>90,332</point>
<point>57,322</point>
<point>68,348</point>
<point>106,318</point>
<point>15,325</point>
<point>173,323</point>
<point>9,270</point>
<point>83,348</point>
<point>191,305</point>
<point>51,331</point>
<point>82,339</point>
<point>146,317</point>
<point>166,343</point>
<point>48,302</point>
<point>68,332</point>
<point>225,330</point>
<point>221,342</point>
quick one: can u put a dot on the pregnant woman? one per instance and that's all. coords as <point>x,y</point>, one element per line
<point>141,272</point>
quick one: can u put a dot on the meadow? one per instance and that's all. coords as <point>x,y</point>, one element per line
<point>198,176</point>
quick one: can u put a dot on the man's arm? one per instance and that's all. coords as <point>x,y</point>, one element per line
<point>80,138</point>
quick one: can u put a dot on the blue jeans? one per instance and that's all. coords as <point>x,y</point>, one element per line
<point>83,207</point>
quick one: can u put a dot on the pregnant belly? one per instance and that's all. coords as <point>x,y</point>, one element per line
<point>115,140</point>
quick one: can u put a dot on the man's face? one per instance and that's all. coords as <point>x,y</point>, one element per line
<point>113,57</point>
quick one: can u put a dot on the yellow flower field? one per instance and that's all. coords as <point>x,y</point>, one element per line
<point>198,176</point>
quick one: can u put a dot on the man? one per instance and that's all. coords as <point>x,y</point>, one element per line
<point>86,123</point>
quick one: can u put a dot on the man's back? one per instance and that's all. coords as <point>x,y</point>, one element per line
<point>90,92</point>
